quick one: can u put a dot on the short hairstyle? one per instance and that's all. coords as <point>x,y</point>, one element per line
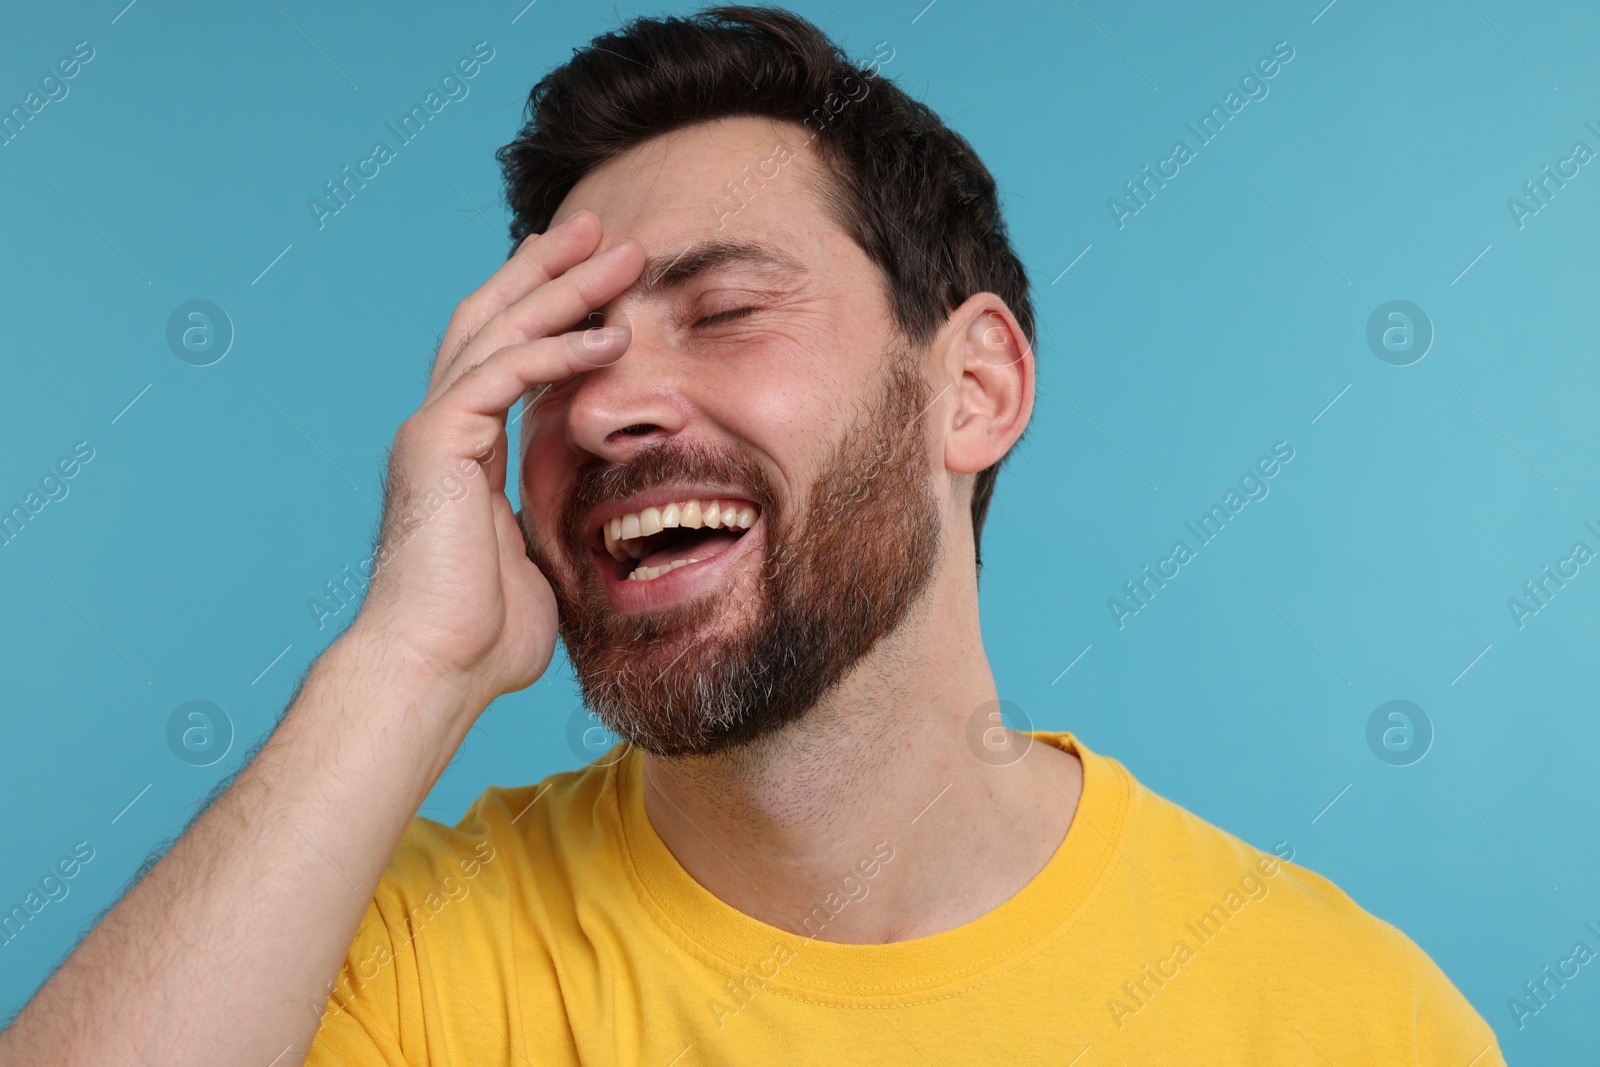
<point>908,190</point>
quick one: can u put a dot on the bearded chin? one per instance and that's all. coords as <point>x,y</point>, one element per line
<point>835,578</point>
<point>682,686</point>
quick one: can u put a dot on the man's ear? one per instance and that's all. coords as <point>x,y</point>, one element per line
<point>989,362</point>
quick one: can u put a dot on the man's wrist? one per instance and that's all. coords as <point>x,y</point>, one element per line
<point>372,654</point>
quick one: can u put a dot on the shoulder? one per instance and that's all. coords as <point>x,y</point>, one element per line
<point>504,832</point>
<point>1208,868</point>
<point>1297,937</point>
<point>1199,864</point>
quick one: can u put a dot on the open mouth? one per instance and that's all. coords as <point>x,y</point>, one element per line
<point>646,544</point>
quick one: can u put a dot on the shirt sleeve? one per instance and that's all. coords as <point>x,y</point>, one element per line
<point>384,1007</point>
<point>1449,1030</point>
<point>361,1026</point>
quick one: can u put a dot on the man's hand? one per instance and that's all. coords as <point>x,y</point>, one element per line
<point>213,956</point>
<point>454,586</point>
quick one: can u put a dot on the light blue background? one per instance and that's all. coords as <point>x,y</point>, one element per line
<point>1224,317</point>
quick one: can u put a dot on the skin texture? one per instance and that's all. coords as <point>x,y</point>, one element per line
<point>457,614</point>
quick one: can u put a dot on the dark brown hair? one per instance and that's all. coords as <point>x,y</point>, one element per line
<point>911,192</point>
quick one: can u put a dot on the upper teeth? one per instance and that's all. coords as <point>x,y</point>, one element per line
<point>624,534</point>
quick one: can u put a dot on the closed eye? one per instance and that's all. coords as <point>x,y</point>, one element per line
<point>726,316</point>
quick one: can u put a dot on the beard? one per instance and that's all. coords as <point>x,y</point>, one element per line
<point>837,575</point>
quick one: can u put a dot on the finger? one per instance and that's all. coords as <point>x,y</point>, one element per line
<point>528,267</point>
<point>555,306</point>
<point>492,385</point>
<point>539,259</point>
<point>496,468</point>
<point>513,543</point>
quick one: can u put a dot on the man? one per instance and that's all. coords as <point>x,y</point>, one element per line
<point>753,494</point>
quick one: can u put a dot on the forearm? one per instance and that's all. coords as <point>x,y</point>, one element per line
<point>223,952</point>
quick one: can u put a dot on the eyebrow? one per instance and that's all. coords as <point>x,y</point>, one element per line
<point>663,272</point>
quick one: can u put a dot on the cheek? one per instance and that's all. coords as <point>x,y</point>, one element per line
<point>544,458</point>
<point>782,411</point>
<point>802,392</point>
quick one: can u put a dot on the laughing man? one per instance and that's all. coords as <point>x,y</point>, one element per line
<point>772,343</point>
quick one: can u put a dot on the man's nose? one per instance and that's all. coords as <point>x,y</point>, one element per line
<point>631,404</point>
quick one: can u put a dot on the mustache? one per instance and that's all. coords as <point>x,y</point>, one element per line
<point>598,481</point>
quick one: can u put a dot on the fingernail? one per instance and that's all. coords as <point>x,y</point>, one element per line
<point>605,336</point>
<point>617,250</point>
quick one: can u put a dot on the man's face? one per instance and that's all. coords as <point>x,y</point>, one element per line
<point>770,380</point>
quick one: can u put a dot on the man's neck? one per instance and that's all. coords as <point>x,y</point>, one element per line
<point>884,766</point>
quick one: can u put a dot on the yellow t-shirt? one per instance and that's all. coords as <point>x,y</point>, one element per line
<point>552,926</point>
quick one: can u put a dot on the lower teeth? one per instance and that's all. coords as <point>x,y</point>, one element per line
<point>645,574</point>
